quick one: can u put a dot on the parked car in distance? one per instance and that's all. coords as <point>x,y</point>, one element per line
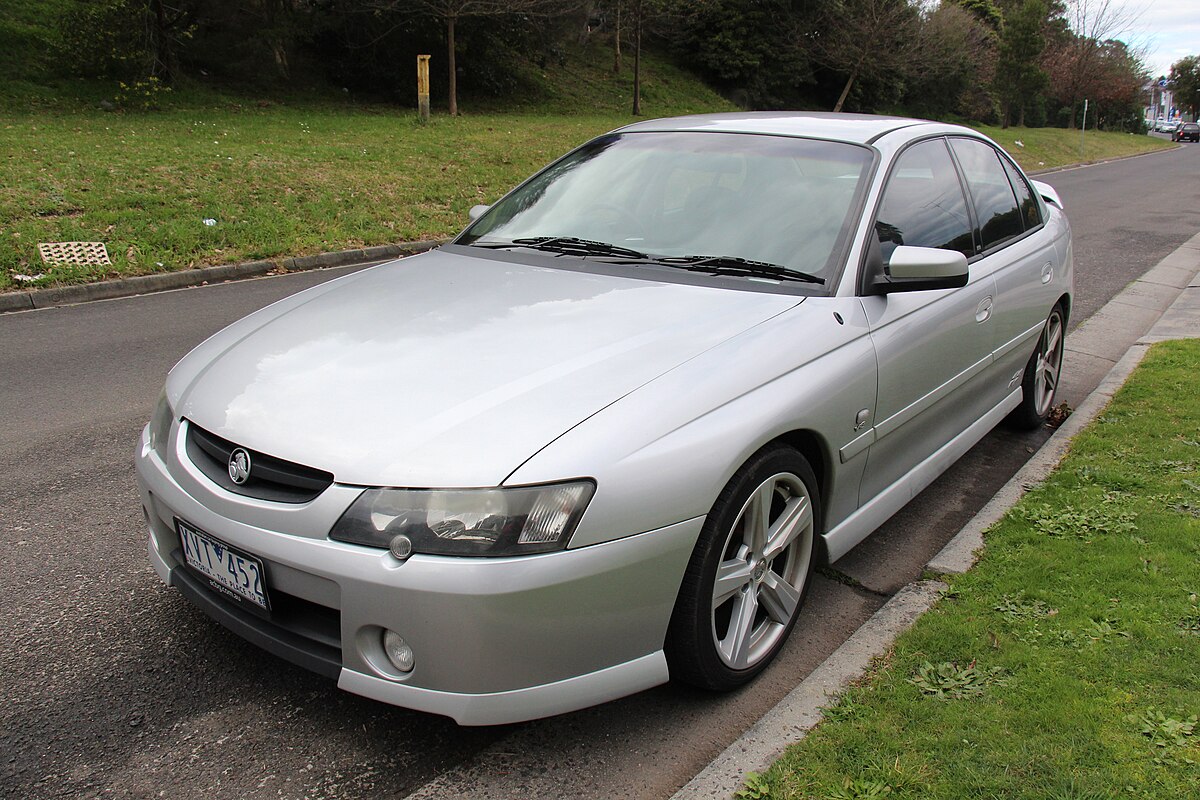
<point>1187,132</point>
<point>601,438</point>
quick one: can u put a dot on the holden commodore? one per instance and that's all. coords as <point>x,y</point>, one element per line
<point>600,439</point>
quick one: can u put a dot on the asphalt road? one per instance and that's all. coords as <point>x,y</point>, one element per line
<point>113,686</point>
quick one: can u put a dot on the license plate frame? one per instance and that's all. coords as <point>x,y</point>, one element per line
<point>228,571</point>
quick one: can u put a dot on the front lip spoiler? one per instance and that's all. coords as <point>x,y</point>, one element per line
<point>314,656</point>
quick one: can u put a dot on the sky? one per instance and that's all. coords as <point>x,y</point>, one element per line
<point>1168,30</point>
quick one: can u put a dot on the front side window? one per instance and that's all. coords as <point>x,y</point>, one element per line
<point>995,204</point>
<point>923,203</point>
<point>781,200</point>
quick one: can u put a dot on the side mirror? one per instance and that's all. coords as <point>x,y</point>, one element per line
<point>476,212</point>
<point>919,269</point>
<point>1048,194</point>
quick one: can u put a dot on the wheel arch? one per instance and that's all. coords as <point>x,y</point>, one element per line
<point>1065,302</point>
<point>817,452</point>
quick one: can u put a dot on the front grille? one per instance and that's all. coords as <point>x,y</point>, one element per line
<point>270,478</point>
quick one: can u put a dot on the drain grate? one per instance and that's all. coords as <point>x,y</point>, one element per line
<point>73,252</point>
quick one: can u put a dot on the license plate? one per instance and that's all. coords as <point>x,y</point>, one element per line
<point>229,571</point>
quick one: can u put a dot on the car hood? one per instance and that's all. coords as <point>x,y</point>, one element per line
<point>447,369</point>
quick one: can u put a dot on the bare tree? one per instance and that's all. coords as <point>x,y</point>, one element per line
<point>1076,65</point>
<point>866,39</point>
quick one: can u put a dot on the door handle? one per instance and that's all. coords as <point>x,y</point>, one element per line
<point>984,310</point>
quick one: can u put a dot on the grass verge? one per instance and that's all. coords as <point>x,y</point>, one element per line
<point>1045,148</point>
<point>290,180</point>
<point>1064,665</point>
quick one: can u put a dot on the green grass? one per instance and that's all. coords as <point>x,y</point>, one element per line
<point>1065,664</point>
<point>1045,148</point>
<point>309,175</point>
<point>292,178</point>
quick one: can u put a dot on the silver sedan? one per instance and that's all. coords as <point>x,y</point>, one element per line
<point>600,439</point>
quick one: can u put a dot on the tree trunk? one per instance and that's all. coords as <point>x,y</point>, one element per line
<point>846,91</point>
<point>1021,115</point>
<point>450,20</point>
<point>163,67</point>
<point>274,12</point>
<point>617,41</point>
<point>637,62</point>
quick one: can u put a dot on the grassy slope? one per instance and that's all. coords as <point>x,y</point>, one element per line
<point>289,179</point>
<point>1043,148</point>
<point>1086,602</point>
<point>306,175</point>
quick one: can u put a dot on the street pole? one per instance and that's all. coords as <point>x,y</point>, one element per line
<point>1083,128</point>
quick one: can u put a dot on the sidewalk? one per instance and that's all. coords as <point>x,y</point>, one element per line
<point>1100,355</point>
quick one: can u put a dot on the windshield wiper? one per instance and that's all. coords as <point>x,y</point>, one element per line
<point>735,265</point>
<point>566,245</point>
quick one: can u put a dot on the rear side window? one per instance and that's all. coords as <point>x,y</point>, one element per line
<point>923,203</point>
<point>1031,214</point>
<point>995,204</point>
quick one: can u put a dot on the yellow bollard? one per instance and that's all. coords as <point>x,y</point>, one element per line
<point>423,87</point>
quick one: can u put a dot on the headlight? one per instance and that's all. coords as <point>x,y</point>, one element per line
<point>160,424</point>
<point>466,522</point>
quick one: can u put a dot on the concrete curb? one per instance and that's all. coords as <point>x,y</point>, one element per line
<point>803,707</point>
<point>791,719</point>
<point>164,281</point>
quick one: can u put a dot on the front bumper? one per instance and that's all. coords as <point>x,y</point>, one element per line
<point>495,640</point>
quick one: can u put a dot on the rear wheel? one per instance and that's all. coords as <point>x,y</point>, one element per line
<point>748,575</point>
<point>1039,385</point>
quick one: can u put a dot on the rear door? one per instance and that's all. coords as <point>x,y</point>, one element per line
<point>1014,248</point>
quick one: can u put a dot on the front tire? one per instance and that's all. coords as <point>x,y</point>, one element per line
<point>1039,385</point>
<point>748,575</point>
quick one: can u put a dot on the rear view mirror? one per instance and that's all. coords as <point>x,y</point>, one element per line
<point>918,269</point>
<point>476,212</point>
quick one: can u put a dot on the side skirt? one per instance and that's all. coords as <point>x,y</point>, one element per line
<point>863,522</point>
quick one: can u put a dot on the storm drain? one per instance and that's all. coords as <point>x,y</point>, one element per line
<point>73,252</point>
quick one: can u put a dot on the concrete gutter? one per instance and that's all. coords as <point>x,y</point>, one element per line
<point>1163,304</point>
<point>163,281</point>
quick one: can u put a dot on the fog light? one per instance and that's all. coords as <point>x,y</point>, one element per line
<point>401,547</point>
<point>398,651</point>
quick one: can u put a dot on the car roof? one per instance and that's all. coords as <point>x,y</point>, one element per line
<point>858,128</point>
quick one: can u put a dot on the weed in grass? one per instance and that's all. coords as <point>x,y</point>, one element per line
<point>1176,466</point>
<point>1172,737</point>
<point>1109,479</point>
<point>1082,522</point>
<point>848,709</point>
<point>949,681</point>
<point>755,788</point>
<point>1185,507</point>
<point>1164,731</point>
<point>1073,792</point>
<point>1190,623</point>
<point>1018,609</point>
<point>859,789</point>
<point>1103,630</point>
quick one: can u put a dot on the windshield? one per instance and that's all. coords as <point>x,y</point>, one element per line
<point>779,200</point>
